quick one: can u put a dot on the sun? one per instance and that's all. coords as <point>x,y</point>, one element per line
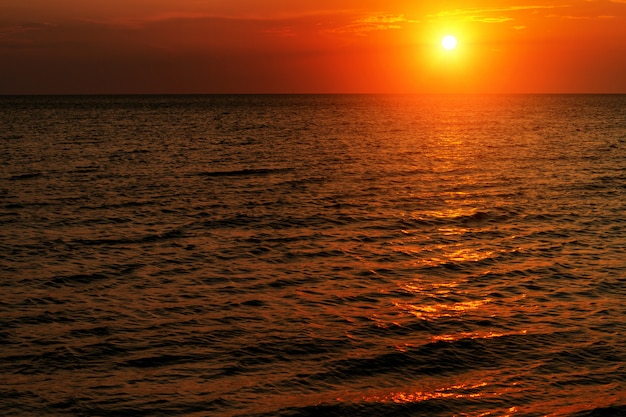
<point>449,42</point>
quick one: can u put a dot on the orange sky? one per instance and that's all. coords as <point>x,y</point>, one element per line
<point>311,46</point>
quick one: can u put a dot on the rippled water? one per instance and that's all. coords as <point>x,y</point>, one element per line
<point>313,256</point>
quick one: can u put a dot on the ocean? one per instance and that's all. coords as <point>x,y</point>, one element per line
<point>313,255</point>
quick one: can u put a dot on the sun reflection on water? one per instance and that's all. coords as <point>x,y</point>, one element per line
<point>405,397</point>
<point>439,310</point>
<point>461,391</point>
<point>449,213</point>
<point>474,335</point>
<point>453,231</point>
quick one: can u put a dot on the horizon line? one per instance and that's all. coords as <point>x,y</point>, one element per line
<point>312,94</point>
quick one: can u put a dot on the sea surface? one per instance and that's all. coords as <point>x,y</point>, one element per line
<point>340,255</point>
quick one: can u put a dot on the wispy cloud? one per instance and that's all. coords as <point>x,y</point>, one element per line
<point>376,22</point>
<point>507,14</point>
<point>242,17</point>
<point>24,27</point>
<point>497,19</point>
<point>571,17</point>
<point>379,19</point>
<point>24,35</point>
<point>485,15</point>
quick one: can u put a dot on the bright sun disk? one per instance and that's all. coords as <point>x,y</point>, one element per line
<point>449,42</point>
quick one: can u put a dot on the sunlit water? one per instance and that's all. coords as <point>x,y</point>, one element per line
<point>313,256</point>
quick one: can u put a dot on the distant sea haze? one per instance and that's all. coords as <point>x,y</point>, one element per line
<point>312,255</point>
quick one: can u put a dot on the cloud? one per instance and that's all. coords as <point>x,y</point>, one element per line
<point>24,27</point>
<point>485,15</point>
<point>498,19</point>
<point>590,11</point>
<point>139,22</point>
<point>25,35</point>
<point>378,22</point>
<point>571,17</point>
<point>150,19</point>
<point>250,28</point>
<point>383,19</point>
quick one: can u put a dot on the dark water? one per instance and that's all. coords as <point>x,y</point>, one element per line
<point>313,256</point>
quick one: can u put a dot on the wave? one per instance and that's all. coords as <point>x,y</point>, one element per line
<point>463,218</point>
<point>611,411</point>
<point>27,176</point>
<point>150,238</point>
<point>431,407</point>
<point>245,172</point>
<point>441,403</point>
<point>76,279</point>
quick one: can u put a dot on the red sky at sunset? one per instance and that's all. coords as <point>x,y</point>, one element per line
<point>311,46</point>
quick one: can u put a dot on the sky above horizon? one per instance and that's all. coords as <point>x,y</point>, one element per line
<point>311,46</point>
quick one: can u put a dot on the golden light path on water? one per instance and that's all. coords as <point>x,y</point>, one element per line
<point>454,152</point>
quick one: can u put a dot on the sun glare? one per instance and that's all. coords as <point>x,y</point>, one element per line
<point>449,42</point>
